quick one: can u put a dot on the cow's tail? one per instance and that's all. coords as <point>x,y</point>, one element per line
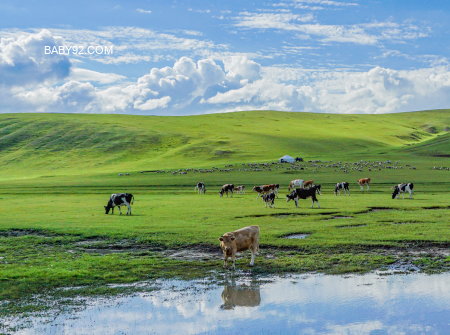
<point>132,199</point>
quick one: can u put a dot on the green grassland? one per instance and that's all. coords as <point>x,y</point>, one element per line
<point>58,171</point>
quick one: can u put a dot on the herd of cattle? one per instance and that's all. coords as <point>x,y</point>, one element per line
<point>248,237</point>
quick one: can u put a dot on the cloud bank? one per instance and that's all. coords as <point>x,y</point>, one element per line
<point>31,81</point>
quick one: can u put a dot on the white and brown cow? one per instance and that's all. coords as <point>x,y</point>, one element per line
<point>225,189</point>
<point>308,183</point>
<point>119,199</point>
<point>342,186</point>
<point>364,181</point>
<point>269,198</point>
<point>263,189</point>
<point>402,188</point>
<point>201,188</point>
<point>239,240</point>
<point>240,189</point>
<point>296,183</point>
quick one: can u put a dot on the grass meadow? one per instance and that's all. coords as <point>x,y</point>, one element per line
<point>59,171</point>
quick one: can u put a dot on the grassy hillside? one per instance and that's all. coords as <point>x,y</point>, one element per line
<point>67,144</point>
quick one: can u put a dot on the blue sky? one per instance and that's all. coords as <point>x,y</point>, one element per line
<point>195,57</point>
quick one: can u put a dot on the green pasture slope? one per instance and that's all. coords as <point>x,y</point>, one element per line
<point>58,171</point>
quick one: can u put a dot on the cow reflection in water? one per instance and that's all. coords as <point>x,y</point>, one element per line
<point>240,295</point>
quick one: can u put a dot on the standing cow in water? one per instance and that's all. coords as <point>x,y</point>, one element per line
<point>119,199</point>
<point>402,188</point>
<point>364,181</point>
<point>226,188</point>
<point>342,186</point>
<point>200,188</point>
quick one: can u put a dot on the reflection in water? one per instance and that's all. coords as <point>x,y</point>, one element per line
<point>241,295</point>
<point>367,304</point>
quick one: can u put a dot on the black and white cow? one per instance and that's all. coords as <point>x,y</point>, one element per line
<point>119,199</point>
<point>341,186</point>
<point>200,188</point>
<point>402,188</point>
<point>301,193</point>
<point>226,188</point>
<point>269,198</point>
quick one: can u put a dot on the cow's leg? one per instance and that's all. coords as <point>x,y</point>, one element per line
<point>225,258</point>
<point>258,195</point>
<point>119,210</point>
<point>112,210</point>
<point>253,249</point>
<point>129,209</point>
<point>233,258</point>
<point>296,202</point>
<point>231,194</point>
<point>339,193</point>
<point>362,189</point>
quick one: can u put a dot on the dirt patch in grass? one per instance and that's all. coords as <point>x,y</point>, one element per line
<point>437,207</point>
<point>338,217</point>
<point>24,232</point>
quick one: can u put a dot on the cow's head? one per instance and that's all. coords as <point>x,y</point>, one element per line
<point>227,243</point>
<point>255,188</point>
<point>336,189</point>
<point>291,196</point>
<point>318,187</point>
<point>221,193</point>
<point>396,191</point>
<point>108,206</point>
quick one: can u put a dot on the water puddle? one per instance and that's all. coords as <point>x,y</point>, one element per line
<point>300,304</point>
<point>352,226</point>
<point>301,236</point>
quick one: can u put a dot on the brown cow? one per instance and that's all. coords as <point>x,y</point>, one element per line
<point>308,183</point>
<point>239,240</point>
<point>364,181</point>
<point>266,188</point>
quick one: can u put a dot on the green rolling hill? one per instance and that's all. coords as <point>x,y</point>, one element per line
<point>69,144</point>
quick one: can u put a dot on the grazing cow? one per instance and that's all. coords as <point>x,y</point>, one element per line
<point>266,188</point>
<point>297,183</point>
<point>269,198</point>
<point>200,188</point>
<point>341,186</point>
<point>239,240</point>
<point>120,174</point>
<point>301,193</point>
<point>226,188</point>
<point>402,188</point>
<point>241,295</point>
<point>119,199</point>
<point>240,189</point>
<point>364,181</point>
<point>298,159</point>
<point>308,183</point>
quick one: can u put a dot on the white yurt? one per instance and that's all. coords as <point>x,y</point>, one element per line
<point>287,158</point>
